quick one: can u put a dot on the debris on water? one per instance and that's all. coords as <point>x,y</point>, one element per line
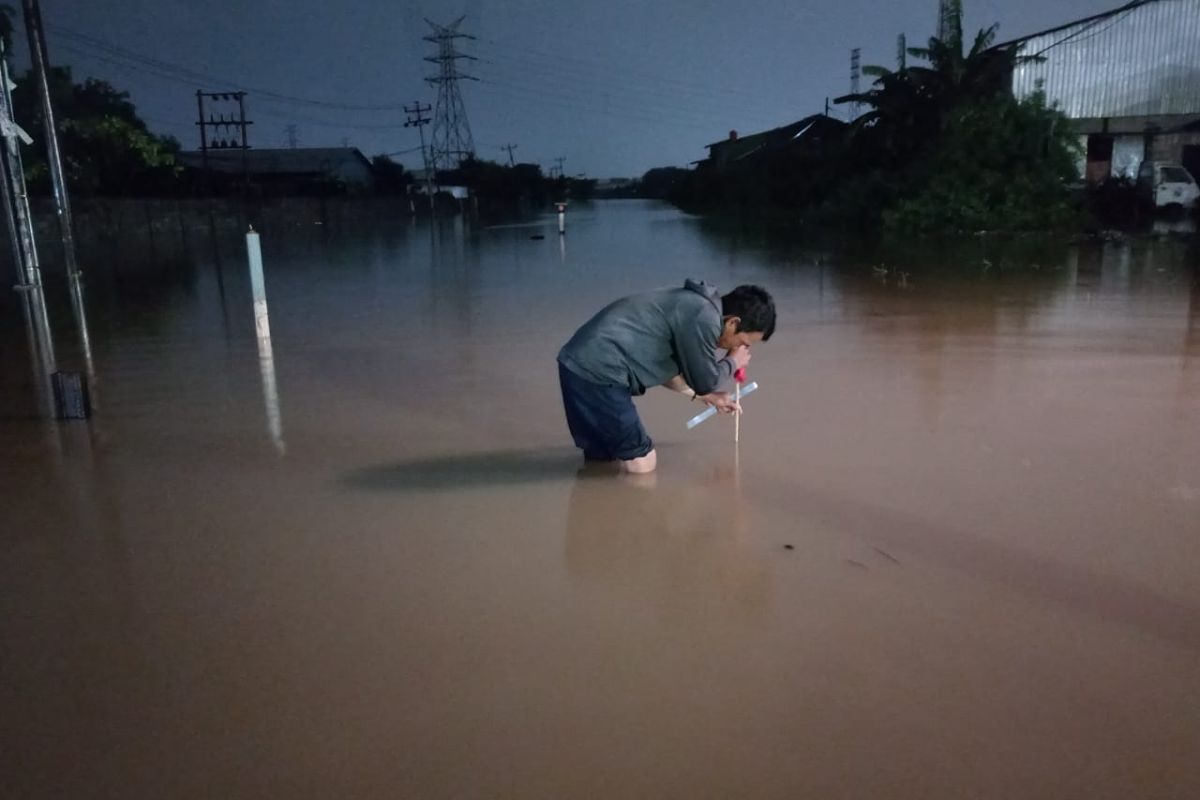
<point>858,564</point>
<point>789,547</point>
<point>538,236</point>
<point>887,555</point>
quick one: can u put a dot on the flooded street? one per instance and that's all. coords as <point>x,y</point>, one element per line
<point>955,554</point>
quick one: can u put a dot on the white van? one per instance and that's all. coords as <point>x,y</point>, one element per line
<point>1168,185</point>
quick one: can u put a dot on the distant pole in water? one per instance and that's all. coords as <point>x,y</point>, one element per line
<point>562,218</point>
<point>258,289</point>
<point>266,353</point>
<point>417,119</point>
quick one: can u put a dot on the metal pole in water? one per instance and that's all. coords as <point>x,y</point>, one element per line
<point>24,248</point>
<point>62,202</point>
<point>15,200</point>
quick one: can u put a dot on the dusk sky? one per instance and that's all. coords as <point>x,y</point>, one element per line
<point>614,87</point>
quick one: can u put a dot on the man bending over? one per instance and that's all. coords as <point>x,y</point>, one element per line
<point>689,339</point>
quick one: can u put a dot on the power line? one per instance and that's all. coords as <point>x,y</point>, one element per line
<point>591,89</point>
<point>289,116</point>
<point>577,102</point>
<point>555,65</point>
<point>185,73</point>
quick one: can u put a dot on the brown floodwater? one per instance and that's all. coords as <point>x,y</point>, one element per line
<point>955,555</point>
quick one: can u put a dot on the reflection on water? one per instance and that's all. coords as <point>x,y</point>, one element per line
<point>682,553</point>
<point>968,491</point>
<point>469,471</point>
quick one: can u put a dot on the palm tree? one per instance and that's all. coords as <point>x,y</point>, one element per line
<point>913,104</point>
<point>954,77</point>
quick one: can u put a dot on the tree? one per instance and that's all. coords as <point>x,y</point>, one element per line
<point>106,147</point>
<point>390,177</point>
<point>945,146</point>
<point>1001,164</point>
<point>909,107</point>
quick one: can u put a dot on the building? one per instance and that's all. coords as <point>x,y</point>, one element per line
<point>808,134</point>
<point>296,170</point>
<point>424,179</point>
<point>1129,79</point>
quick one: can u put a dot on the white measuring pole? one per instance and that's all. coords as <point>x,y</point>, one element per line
<point>266,353</point>
<point>262,323</point>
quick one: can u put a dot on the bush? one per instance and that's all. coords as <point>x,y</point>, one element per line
<point>1001,164</point>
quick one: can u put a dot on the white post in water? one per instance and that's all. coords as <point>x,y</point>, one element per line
<point>262,323</point>
<point>562,219</point>
<point>266,353</point>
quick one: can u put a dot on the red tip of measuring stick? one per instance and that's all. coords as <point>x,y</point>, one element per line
<point>740,375</point>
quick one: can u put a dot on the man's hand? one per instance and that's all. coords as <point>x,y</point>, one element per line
<point>722,402</point>
<point>740,356</point>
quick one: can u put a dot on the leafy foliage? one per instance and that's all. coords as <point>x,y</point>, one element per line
<point>943,146</point>
<point>1001,164</point>
<point>390,177</point>
<point>106,147</point>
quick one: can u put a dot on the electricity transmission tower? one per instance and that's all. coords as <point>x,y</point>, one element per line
<point>292,138</point>
<point>451,141</point>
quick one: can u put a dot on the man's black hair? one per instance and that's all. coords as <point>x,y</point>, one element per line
<point>754,306</point>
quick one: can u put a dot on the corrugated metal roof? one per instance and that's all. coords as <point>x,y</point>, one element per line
<point>286,161</point>
<point>1141,59</point>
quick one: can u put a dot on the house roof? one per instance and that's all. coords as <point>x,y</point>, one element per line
<point>791,131</point>
<point>746,146</point>
<point>285,161</point>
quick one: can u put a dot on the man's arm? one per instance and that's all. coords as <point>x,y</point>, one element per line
<point>696,349</point>
<point>678,384</point>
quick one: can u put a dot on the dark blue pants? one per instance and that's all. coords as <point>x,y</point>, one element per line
<point>603,420</point>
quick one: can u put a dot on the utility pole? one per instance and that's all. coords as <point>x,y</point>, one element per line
<point>62,201</point>
<point>855,80</point>
<point>509,148</point>
<point>451,142</point>
<point>16,200</point>
<point>901,53</point>
<point>950,23</point>
<point>232,127</point>
<point>559,166</point>
<point>417,119</point>
<point>19,221</point>
<point>292,139</point>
